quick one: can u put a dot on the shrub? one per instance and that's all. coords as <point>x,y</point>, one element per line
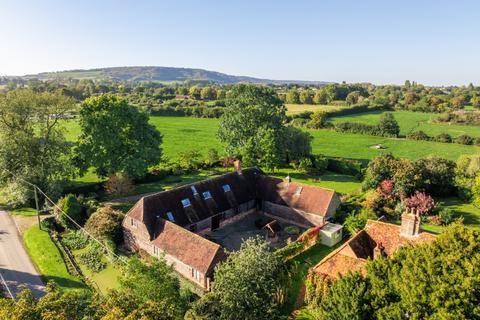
<point>318,120</point>
<point>119,184</point>
<point>106,224</point>
<point>70,206</point>
<point>388,126</point>
<point>92,258</point>
<point>292,230</point>
<point>477,141</point>
<point>75,240</point>
<point>373,200</point>
<point>354,223</point>
<point>465,139</point>
<point>446,215</point>
<point>435,220</point>
<point>444,137</point>
<point>320,162</point>
<point>420,202</point>
<point>305,165</point>
<point>418,135</point>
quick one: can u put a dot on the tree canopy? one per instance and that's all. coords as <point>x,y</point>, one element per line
<point>245,285</point>
<point>116,137</point>
<point>432,281</point>
<point>32,142</point>
<point>252,127</point>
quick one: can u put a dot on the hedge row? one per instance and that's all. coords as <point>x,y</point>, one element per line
<point>196,112</point>
<point>444,137</point>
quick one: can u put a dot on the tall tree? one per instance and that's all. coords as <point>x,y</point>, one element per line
<point>245,285</point>
<point>250,112</point>
<point>116,137</point>
<point>32,142</point>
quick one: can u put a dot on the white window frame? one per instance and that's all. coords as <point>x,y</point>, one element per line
<point>194,190</point>
<point>186,203</point>
<point>156,251</point>
<point>170,216</point>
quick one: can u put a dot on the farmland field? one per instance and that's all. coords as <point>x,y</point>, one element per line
<point>185,133</point>
<point>414,121</point>
<point>299,108</point>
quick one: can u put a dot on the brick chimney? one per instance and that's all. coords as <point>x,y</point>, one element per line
<point>410,224</point>
<point>379,251</point>
<point>238,166</point>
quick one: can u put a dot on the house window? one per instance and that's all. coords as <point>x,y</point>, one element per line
<point>298,191</point>
<point>226,188</point>
<point>134,223</point>
<point>207,195</point>
<point>186,203</point>
<point>170,216</point>
<point>156,251</point>
<point>194,190</point>
<point>196,274</point>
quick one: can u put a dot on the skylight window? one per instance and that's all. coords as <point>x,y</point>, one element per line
<point>186,203</point>
<point>226,188</point>
<point>194,190</point>
<point>298,191</point>
<point>170,216</point>
<point>207,195</point>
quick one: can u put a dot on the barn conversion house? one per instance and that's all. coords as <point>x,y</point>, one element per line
<point>177,222</point>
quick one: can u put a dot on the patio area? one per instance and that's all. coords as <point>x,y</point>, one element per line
<point>252,225</point>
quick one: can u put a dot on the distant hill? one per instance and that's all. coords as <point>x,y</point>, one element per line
<point>161,74</point>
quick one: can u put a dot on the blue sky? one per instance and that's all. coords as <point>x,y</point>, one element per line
<point>432,42</point>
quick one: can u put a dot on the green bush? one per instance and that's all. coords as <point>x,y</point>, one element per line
<point>75,240</point>
<point>70,206</point>
<point>292,230</point>
<point>106,224</point>
<point>418,135</point>
<point>92,258</point>
<point>446,215</point>
<point>345,166</point>
<point>444,137</point>
<point>465,139</point>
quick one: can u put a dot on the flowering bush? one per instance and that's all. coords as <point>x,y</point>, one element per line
<point>420,202</point>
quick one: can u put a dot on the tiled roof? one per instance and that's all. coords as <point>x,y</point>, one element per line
<point>353,254</point>
<point>186,246</point>
<point>303,197</point>
<point>156,210</point>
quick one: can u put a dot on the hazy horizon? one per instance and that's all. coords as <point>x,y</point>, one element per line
<point>431,42</point>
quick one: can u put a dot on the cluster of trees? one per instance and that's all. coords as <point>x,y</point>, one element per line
<point>253,129</point>
<point>115,137</point>
<point>433,281</point>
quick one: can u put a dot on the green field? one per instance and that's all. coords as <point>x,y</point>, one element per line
<point>299,108</point>
<point>48,259</point>
<point>185,133</point>
<point>413,121</point>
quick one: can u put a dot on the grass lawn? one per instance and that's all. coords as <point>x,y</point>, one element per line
<point>300,265</point>
<point>299,108</point>
<point>48,260</point>
<point>339,182</point>
<point>105,279</point>
<point>185,133</point>
<point>470,213</point>
<point>357,146</point>
<point>413,121</point>
<point>27,212</point>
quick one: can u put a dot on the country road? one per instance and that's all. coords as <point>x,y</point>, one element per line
<point>16,268</point>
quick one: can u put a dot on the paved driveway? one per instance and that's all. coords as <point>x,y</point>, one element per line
<point>16,268</point>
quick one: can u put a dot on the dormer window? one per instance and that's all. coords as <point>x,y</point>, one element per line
<point>186,203</point>
<point>207,195</point>
<point>226,188</point>
<point>194,190</point>
<point>170,216</point>
<point>298,191</point>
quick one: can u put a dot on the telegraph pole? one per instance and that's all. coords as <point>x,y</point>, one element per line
<point>38,209</point>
